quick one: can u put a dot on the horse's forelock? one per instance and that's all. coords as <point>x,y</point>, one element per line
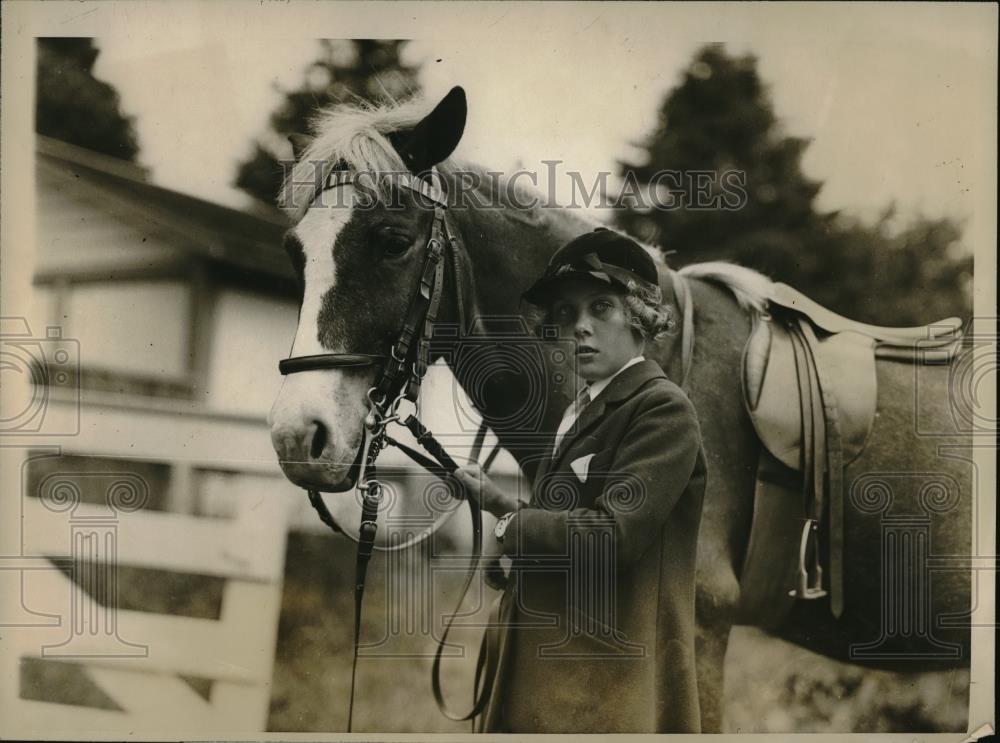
<point>354,135</point>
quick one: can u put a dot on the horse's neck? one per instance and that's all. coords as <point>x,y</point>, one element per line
<point>508,248</point>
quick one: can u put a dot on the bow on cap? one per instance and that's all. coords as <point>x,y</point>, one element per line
<point>590,260</point>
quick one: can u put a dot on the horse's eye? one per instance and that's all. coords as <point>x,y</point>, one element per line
<point>392,244</point>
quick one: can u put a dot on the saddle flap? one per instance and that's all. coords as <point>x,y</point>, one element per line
<point>772,389</point>
<point>848,359</point>
<point>774,407</point>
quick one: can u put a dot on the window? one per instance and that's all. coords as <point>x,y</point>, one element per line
<point>134,336</point>
<point>250,334</point>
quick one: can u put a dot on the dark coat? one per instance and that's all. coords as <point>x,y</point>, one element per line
<point>599,609</point>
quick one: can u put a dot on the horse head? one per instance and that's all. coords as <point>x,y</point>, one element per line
<point>358,244</point>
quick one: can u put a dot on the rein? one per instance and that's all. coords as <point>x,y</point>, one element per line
<point>402,374</point>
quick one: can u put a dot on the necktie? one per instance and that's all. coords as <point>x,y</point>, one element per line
<point>573,411</point>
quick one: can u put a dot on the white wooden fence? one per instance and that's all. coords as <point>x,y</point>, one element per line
<point>143,661</point>
<point>139,659</point>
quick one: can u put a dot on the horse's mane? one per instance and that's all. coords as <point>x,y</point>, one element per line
<point>751,288</point>
<point>355,135</point>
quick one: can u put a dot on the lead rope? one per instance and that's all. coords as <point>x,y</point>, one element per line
<point>371,488</point>
<point>487,659</point>
<point>371,498</point>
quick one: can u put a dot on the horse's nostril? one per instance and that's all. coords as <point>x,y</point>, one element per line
<point>319,440</point>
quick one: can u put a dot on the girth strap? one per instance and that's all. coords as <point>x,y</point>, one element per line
<point>682,294</point>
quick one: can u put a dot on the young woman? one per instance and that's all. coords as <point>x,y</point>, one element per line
<point>599,632</point>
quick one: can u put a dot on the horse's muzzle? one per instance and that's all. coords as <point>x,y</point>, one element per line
<point>309,458</point>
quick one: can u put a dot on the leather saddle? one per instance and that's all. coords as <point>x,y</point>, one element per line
<point>810,388</point>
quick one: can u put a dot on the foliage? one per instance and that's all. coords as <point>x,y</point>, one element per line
<point>74,106</point>
<point>720,118</point>
<point>347,71</point>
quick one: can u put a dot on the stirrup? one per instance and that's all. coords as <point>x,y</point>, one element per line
<point>804,589</point>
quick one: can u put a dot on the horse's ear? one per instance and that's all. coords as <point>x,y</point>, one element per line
<point>299,144</point>
<point>436,136</point>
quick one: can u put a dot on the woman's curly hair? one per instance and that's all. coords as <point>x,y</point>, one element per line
<point>647,313</point>
<point>651,319</point>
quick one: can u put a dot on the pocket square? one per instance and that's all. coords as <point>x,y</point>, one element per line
<point>581,467</point>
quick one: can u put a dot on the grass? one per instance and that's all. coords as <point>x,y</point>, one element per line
<point>772,686</point>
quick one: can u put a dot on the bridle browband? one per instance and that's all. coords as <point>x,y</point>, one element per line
<point>401,377</point>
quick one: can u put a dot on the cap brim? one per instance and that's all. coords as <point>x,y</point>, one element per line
<point>540,291</point>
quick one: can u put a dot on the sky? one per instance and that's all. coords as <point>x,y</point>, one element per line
<point>898,99</point>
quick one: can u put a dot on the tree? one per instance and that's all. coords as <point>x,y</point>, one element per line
<point>720,118</point>
<point>912,275</point>
<point>347,71</point>
<point>74,106</point>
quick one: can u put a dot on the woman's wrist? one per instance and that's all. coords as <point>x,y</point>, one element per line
<point>508,505</point>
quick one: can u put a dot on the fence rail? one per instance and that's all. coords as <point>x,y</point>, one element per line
<point>138,659</point>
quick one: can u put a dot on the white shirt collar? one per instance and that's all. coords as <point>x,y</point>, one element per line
<point>597,387</point>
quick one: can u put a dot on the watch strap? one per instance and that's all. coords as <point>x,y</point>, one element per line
<point>501,528</point>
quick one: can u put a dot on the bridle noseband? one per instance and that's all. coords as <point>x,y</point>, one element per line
<point>401,377</point>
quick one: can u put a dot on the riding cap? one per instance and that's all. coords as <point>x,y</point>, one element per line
<point>602,254</point>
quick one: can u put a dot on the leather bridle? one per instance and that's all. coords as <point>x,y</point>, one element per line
<point>401,377</point>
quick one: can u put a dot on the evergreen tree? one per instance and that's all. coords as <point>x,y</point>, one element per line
<point>720,118</point>
<point>72,105</point>
<point>346,71</point>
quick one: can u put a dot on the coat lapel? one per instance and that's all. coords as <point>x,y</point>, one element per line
<point>620,388</point>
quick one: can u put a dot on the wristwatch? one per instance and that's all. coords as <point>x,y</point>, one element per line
<point>501,528</point>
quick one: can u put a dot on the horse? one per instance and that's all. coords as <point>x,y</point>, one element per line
<point>358,253</point>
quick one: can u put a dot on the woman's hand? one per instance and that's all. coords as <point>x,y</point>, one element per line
<point>484,491</point>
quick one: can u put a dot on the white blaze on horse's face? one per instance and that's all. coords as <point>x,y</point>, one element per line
<point>316,420</point>
<point>317,232</point>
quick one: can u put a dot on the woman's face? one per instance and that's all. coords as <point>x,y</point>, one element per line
<point>594,315</point>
